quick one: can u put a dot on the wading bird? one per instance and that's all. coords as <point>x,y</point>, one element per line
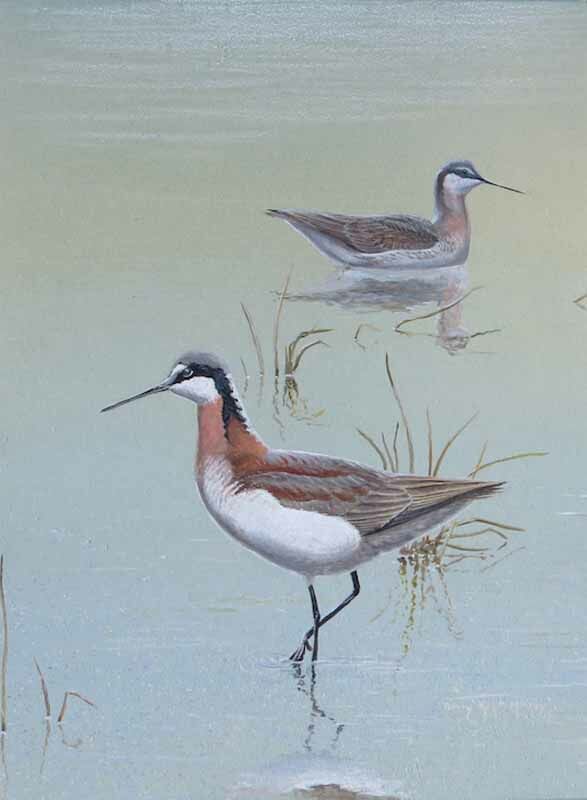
<point>398,240</point>
<point>312,514</point>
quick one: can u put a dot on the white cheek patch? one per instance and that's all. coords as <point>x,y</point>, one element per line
<point>199,390</point>
<point>457,185</point>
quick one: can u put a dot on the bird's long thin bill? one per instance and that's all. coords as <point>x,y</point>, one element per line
<point>146,393</point>
<point>501,186</point>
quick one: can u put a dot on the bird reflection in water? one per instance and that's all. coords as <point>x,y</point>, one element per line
<point>307,686</point>
<point>316,775</point>
<point>402,290</point>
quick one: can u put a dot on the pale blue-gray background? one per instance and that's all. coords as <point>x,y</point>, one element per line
<point>139,144</point>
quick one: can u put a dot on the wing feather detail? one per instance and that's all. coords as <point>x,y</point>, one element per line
<point>376,234</point>
<point>369,499</point>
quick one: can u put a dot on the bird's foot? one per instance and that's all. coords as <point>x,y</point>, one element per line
<point>300,652</point>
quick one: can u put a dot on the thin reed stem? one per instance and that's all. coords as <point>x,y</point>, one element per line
<point>4,668</point>
<point>479,461</point>
<point>536,454</point>
<point>374,445</point>
<point>66,696</point>
<point>276,324</point>
<point>44,689</point>
<point>399,326</point>
<point>430,449</point>
<point>254,339</point>
<point>402,412</point>
<point>395,450</point>
<point>390,461</point>
<point>450,442</point>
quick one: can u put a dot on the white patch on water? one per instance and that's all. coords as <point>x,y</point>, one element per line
<point>318,773</point>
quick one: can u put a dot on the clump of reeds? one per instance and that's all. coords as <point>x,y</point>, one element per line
<point>69,693</point>
<point>293,355</point>
<point>294,351</point>
<point>44,688</point>
<point>286,362</point>
<point>423,567</point>
<point>424,563</point>
<point>390,456</point>
<point>61,716</point>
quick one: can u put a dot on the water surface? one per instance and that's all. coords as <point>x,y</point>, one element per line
<point>139,145</point>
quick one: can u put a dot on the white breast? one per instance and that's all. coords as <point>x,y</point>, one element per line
<point>303,541</point>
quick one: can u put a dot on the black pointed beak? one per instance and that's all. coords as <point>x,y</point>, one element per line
<point>501,186</point>
<point>162,387</point>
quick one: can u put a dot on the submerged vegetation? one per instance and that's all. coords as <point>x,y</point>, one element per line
<point>424,567</point>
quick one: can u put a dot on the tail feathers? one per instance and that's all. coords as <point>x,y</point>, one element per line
<point>427,493</point>
<point>485,488</point>
<point>276,212</point>
<point>434,494</point>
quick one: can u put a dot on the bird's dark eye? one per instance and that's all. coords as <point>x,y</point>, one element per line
<point>187,373</point>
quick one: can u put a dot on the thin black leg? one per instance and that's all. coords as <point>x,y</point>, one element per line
<point>316,615</point>
<point>298,655</point>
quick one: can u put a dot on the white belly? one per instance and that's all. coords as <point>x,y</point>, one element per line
<point>441,255</point>
<point>303,541</point>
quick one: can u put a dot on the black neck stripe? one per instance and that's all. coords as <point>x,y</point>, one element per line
<point>231,407</point>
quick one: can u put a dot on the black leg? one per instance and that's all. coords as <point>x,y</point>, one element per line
<point>316,615</point>
<point>298,655</point>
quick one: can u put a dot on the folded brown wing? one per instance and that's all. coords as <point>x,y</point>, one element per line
<point>367,498</point>
<point>368,234</point>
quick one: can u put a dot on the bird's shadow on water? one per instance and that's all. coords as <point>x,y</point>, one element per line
<point>315,774</point>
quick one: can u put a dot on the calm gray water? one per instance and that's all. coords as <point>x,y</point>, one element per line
<point>139,144</point>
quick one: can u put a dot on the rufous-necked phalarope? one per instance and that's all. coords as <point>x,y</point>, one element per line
<point>312,514</point>
<point>398,240</point>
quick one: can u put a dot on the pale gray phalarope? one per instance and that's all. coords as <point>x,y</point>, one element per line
<point>398,240</point>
